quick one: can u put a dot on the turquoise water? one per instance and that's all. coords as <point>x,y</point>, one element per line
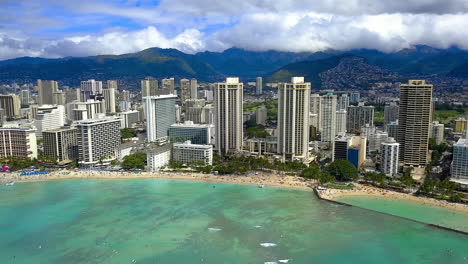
<point>424,213</point>
<point>154,221</point>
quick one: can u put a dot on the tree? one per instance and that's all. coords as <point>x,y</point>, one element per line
<point>375,177</point>
<point>127,133</point>
<point>342,170</point>
<point>134,161</point>
<point>428,186</point>
<point>406,178</point>
<point>312,172</point>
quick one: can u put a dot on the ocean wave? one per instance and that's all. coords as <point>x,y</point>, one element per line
<point>213,229</point>
<point>268,245</point>
<point>283,260</point>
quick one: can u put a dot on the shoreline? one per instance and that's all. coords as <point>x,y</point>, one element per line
<point>369,191</point>
<point>265,178</point>
<point>268,179</point>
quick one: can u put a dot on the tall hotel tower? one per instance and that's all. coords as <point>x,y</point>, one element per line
<point>293,119</point>
<point>414,122</point>
<point>229,116</point>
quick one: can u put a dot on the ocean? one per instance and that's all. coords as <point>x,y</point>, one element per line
<point>159,221</point>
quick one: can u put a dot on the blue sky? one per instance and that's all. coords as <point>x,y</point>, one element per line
<point>58,28</point>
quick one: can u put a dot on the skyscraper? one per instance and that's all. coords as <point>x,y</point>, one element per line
<point>315,108</point>
<point>343,102</point>
<point>109,96</point>
<point>459,167</point>
<point>359,116</point>
<point>261,115</point>
<point>89,89</point>
<point>354,97</point>
<point>293,119</point>
<point>25,97</point>
<point>390,113</point>
<point>328,118</point>
<point>229,115</point>
<point>193,88</point>
<point>259,85</point>
<point>49,117</point>
<point>184,90</point>
<point>168,85</point>
<point>61,144</point>
<point>389,157</point>
<point>97,139</point>
<point>160,115</point>
<point>149,87</point>
<point>46,89</point>
<point>414,122</point>
<point>340,122</point>
<point>11,104</point>
<point>437,132</point>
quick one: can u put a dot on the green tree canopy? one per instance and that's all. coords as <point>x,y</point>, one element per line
<point>342,170</point>
<point>312,172</point>
<point>134,161</point>
<point>128,133</point>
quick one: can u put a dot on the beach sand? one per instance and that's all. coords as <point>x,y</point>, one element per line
<point>266,178</point>
<point>370,191</point>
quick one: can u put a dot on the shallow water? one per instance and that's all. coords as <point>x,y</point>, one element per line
<point>156,221</point>
<point>412,210</point>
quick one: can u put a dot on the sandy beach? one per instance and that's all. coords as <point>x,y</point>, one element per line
<point>266,178</point>
<point>370,191</point>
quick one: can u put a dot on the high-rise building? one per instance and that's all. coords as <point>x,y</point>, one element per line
<point>58,98</point>
<point>11,104</point>
<point>193,88</point>
<point>459,168</point>
<point>392,129</point>
<point>149,87</point>
<point>354,97</point>
<point>350,148</point>
<point>89,89</point>
<point>389,157</point>
<point>85,110</point>
<point>125,96</point>
<point>259,85</point>
<point>202,134</point>
<point>390,113</point>
<point>46,89</point>
<point>128,119</point>
<point>109,99</point>
<point>315,108</point>
<point>18,142</point>
<point>97,139</point>
<point>72,95</point>
<point>357,117</point>
<point>207,114</point>
<point>340,122</point>
<point>61,144</point>
<point>112,84</point>
<point>374,140</point>
<point>25,97</point>
<point>184,90</point>
<point>460,125</point>
<point>49,117</point>
<point>343,102</point>
<point>261,115</point>
<point>158,156</point>
<point>328,118</point>
<point>2,117</point>
<point>414,120</point>
<point>437,132</point>
<point>168,85</point>
<point>160,115</point>
<point>229,116</point>
<point>293,119</point>
<point>188,153</point>
<point>193,109</point>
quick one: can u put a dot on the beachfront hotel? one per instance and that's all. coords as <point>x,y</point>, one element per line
<point>327,118</point>
<point>389,156</point>
<point>293,119</point>
<point>97,139</point>
<point>61,144</point>
<point>188,153</point>
<point>18,141</point>
<point>229,116</point>
<point>197,133</point>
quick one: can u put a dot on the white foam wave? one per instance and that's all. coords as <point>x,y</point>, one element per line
<point>213,229</point>
<point>283,260</point>
<point>268,245</point>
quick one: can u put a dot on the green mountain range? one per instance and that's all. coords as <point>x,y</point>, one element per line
<point>214,66</point>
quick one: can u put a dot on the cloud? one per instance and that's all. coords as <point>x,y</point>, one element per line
<point>58,28</point>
